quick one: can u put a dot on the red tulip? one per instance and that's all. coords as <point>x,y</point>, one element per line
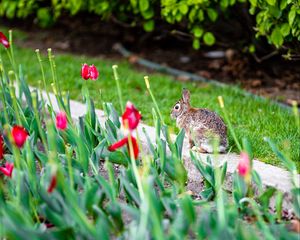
<point>19,135</point>
<point>124,141</point>
<point>244,167</point>
<point>61,121</point>
<point>131,116</point>
<point>85,72</point>
<point>52,185</point>
<point>8,169</point>
<point>4,40</point>
<point>89,72</point>
<point>1,147</point>
<point>93,72</point>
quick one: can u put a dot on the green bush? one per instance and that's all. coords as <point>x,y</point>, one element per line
<point>278,21</point>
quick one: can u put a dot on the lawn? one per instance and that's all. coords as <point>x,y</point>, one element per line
<point>252,118</point>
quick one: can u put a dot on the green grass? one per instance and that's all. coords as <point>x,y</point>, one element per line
<point>251,118</point>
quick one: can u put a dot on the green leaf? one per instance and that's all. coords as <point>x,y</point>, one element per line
<point>275,12</point>
<point>224,4</point>
<point>264,199</point>
<point>186,204</point>
<point>253,3</point>
<point>118,157</point>
<point>148,14</point>
<point>285,29</point>
<point>291,17</point>
<point>276,37</point>
<point>44,17</point>
<point>271,2</point>
<point>196,43</point>
<point>289,164</point>
<point>183,8</point>
<point>283,4</point>
<point>179,142</point>
<point>209,39</point>
<point>113,115</point>
<point>296,201</point>
<point>105,186</point>
<point>207,194</point>
<point>25,88</point>
<point>198,32</point>
<point>131,191</point>
<point>252,48</point>
<point>223,172</point>
<point>278,204</point>
<point>202,168</point>
<point>149,26</point>
<point>200,15</point>
<point>144,5</point>
<point>150,144</point>
<point>256,178</point>
<point>192,15</point>
<point>212,14</point>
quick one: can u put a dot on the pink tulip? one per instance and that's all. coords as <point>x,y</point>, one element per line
<point>8,169</point>
<point>61,121</point>
<point>4,40</point>
<point>244,167</point>
<point>93,72</point>
<point>19,135</point>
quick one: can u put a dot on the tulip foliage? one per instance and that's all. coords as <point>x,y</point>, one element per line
<point>67,179</point>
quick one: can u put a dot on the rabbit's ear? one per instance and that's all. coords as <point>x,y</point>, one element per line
<point>186,95</point>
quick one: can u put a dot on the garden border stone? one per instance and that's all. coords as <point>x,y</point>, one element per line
<point>271,176</point>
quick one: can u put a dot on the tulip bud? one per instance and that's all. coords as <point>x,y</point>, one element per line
<point>19,135</point>
<point>61,121</point>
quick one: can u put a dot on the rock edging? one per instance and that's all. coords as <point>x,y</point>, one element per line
<point>271,176</point>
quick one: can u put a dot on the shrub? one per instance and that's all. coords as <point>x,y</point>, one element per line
<point>278,21</point>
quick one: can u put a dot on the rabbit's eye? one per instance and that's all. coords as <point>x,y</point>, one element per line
<point>176,107</point>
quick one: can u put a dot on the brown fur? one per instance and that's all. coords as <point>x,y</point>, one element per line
<point>201,125</point>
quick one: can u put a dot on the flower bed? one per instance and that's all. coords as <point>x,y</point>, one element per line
<point>139,195</point>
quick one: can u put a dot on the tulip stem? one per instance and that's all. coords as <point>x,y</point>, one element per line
<point>221,103</point>
<point>15,104</point>
<point>70,169</point>
<point>53,67</point>
<point>43,76</point>
<point>4,103</point>
<point>11,57</point>
<point>134,167</point>
<point>41,132</point>
<point>16,154</point>
<point>116,76</point>
<point>146,78</point>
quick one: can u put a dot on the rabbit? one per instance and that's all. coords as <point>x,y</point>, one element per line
<point>201,125</point>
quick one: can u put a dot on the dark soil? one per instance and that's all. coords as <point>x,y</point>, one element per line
<point>274,77</point>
